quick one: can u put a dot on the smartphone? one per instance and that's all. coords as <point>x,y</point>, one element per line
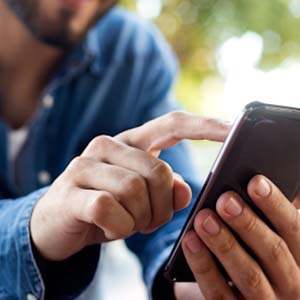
<point>265,139</point>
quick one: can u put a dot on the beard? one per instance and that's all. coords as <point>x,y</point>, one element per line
<point>56,34</point>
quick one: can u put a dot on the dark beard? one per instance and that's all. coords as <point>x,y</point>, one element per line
<point>27,11</point>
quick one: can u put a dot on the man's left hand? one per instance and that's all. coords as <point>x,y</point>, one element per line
<point>275,274</point>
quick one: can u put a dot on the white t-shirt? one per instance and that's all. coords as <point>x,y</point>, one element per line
<point>16,139</point>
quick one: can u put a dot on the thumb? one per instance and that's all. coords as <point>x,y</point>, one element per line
<point>182,193</point>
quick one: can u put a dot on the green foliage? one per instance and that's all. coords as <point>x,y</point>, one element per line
<point>196,28</point>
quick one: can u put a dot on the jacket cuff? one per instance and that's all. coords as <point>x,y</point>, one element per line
<point>68,279</point>
<point>19,276</point>
<point>25,275</point>
<point>35,287</point>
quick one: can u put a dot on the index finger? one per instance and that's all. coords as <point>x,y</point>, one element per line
<point>170,129</point>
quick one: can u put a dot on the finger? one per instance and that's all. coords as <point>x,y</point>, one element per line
<point>296,202</point>
<point>279,210</point>
<point>206,273</point>
<point>158,174</point>
<point>103,210</point>
<point>182,193</point>
<point>242,269</point>
<point>270,249</point>
<point>170,129</point>
<point>128,188</point>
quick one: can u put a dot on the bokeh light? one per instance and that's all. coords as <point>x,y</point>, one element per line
<point>149,9</point>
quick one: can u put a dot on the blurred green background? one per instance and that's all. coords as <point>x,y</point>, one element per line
<point>231,52</point>
<point>197,28</point>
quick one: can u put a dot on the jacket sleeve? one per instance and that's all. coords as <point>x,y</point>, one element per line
<point>19,275</point>
<point>23,274</point>
<point>153,249</point>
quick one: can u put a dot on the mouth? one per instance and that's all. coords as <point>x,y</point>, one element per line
<point>72,4</point>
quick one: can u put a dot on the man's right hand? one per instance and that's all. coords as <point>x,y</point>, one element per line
<point>117,187</point>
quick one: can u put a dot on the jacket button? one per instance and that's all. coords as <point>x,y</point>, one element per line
<point>31,297</point>
<point>44,177</point>
<point>48,101</point>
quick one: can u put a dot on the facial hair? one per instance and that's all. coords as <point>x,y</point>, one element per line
<point>27,11</point>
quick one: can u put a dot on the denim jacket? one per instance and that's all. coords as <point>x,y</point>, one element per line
<point>119,77</point>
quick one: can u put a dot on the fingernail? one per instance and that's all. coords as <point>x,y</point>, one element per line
<point>194,244</point>
<point>233,207</point>
<point>211,226</point>
<point>263,188</point>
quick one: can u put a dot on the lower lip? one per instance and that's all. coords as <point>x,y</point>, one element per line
<point>72,4</point>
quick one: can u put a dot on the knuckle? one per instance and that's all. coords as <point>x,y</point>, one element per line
<point>65,180</point>
<point>253,278</point>
<point>75,169</point>
<point>78,163</point>
<point>102,207</point>
<point>134,196</point>
<point>279,249</point>
<point>162,171</point>
<point>100,142</point>
<point>101,215</point>
<point>227,246</point>
<point>295,224</point>
<point>250,225</point>
<point>175,117</point>
<point>133,185</point>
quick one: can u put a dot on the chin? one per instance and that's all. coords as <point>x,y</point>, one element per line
<point>54,24</point>
<point>64,31</point>
<point>62,36</point>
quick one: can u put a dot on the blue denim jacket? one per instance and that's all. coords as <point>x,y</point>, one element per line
<point>118,78</point>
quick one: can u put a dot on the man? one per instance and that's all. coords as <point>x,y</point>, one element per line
<point>64,88</point>
<point>66,187</point>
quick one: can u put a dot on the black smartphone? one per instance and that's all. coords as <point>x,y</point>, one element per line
<point>265,139</point>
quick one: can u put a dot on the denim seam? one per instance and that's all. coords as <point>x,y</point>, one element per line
<point>32,271</point>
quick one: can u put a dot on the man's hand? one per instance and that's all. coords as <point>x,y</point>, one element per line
<point>117,187</point>
<point>274,275</point>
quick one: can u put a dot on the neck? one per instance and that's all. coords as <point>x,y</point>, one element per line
<point>26,66</point>
<point>21,55</point>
